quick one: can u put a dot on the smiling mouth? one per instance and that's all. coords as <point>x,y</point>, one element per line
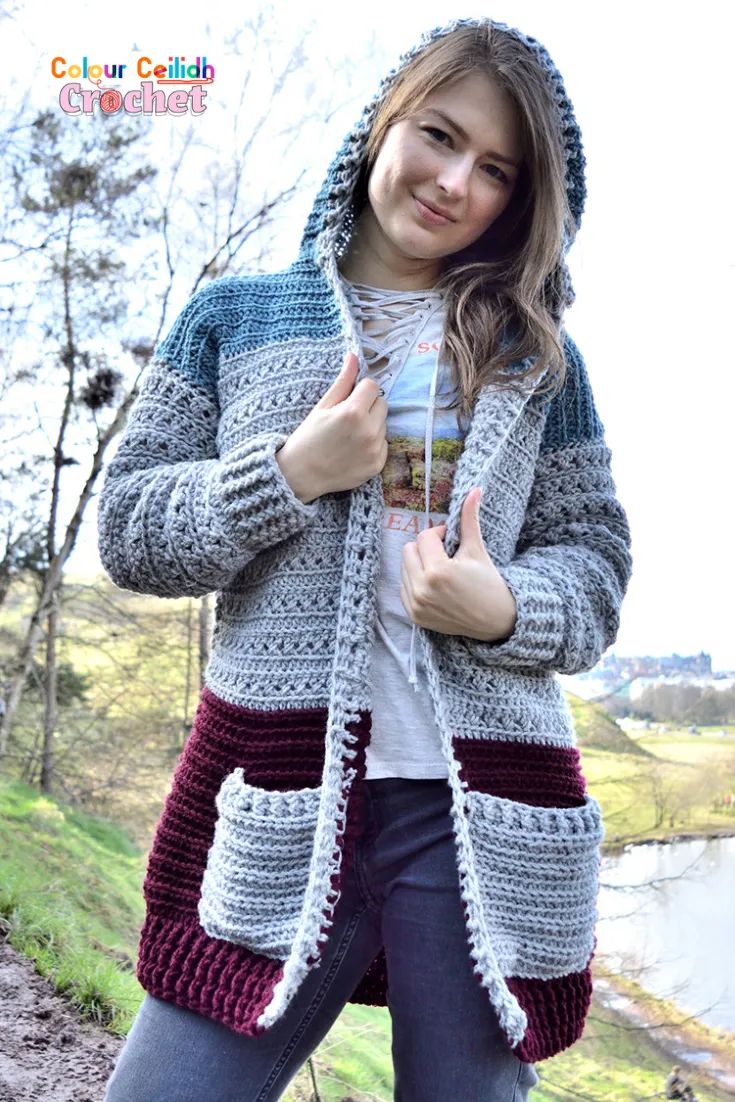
<point>430,215</point>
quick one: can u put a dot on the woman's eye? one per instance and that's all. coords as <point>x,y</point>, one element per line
<point>501,175</point>
<point>435,130</point>
<point>495,172</point>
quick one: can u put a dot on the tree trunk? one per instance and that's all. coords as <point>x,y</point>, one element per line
<point>50,703</point>
<point>53,578</point>
<point>205,636</point>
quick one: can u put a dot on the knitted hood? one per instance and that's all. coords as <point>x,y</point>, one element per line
<point>329,225</point>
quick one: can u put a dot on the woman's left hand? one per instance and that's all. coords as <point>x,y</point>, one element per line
<point>464,595</point>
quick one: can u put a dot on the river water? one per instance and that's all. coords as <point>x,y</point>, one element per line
<point>667,918</point>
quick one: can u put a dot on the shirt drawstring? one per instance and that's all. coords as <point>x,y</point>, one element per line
<point>428,448</point>
<point>399,309</point>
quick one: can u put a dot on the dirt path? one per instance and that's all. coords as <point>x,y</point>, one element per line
<point>46,1054</point>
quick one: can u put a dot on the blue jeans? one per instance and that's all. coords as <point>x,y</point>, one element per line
<point>401,891</point>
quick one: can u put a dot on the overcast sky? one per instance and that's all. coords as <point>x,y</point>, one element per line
<point>653,265</point>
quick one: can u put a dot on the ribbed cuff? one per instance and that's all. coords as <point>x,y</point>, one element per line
<point>253,496</point>
<point>538,634</point>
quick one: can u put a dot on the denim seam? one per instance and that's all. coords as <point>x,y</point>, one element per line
<point>313,1005</point>
<point>362,883</point>
<point>514,1096</point>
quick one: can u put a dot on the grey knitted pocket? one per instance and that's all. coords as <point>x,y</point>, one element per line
<point>537,873</point>
<point>258,865</point>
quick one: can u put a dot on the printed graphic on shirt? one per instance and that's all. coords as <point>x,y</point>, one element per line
<point>405,740</point>
<point>404,473</point>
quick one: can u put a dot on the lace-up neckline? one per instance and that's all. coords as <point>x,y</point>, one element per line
<point>388,318</point>
<point>389,322</point>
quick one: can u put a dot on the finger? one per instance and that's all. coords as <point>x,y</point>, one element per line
<point>410,564</point>
<point>430,546</point>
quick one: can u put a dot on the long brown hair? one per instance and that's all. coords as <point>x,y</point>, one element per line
<point>505,294</point>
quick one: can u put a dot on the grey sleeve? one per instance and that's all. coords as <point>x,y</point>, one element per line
<point>572,563</point>
<point>174,519</point>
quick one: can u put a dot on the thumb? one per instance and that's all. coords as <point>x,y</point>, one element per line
<point>342,386</point>
<point>470,534</point>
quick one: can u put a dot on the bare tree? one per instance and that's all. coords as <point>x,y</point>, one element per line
<point>66,185</point>
<point>78,214</point>
<point>21,536</point>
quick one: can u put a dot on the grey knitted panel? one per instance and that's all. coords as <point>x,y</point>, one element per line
<point>274,634</point>
<point>274,388</point>
<point>258,865</point>
<point>487,703</point>
<point>153,508</point>
<point>571,568</point>
<point>500,451</point>
<point>507,478</point>
<point>273,623</point>
<point>171,419</point>
<point>253,496</point>
<point>538,879</point>
<point>175,520</point>
<point>580,472</point>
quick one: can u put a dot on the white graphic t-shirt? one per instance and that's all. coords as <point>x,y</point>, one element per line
<point>402,333</point>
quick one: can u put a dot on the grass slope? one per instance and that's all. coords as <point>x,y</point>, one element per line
<point>70,900</point>
<point>597,730</point>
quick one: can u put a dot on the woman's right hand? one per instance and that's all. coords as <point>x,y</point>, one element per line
<point>342,441</point>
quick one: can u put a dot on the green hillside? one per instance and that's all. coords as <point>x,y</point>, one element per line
<point>71,901</point>
<point>597,730</point>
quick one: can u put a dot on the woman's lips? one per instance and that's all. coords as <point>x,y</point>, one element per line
<point>429,215</point>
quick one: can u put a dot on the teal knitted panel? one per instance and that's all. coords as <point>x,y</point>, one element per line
<point>191,344</point>
<point>235,314</point>
<point>297,302</point>
<point>572,416</point>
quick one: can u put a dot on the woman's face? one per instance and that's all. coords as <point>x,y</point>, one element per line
<point>466,168</point>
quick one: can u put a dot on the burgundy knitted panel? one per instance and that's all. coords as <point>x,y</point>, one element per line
<point>177,960</point>
<point>278,750</point>
<point>556,1011</point>
<point>372,990</point>
<point>532,773</point>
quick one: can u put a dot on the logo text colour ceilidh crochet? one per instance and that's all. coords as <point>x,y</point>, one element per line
<point>185,91</point>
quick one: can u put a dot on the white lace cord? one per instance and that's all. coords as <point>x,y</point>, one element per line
<point>400,308</point>
<point>428,441</point>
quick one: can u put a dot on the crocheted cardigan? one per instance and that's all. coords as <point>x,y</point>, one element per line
<point>258,828</point>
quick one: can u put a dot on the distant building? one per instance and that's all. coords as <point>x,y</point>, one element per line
<point>628,676</point>
<point>647,665</point>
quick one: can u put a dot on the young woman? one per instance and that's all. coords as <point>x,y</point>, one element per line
<point>381,799</point>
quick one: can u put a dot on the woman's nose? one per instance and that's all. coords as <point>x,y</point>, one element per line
<point>454,178</point>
